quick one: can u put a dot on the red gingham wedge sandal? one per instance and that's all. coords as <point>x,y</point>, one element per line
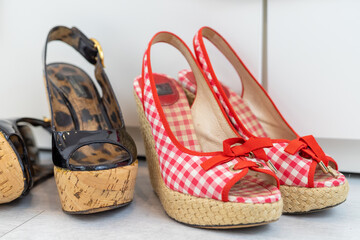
<point>204,173</point>
<point>308,177</point>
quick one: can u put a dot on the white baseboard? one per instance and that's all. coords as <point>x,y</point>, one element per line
<point>344,151</point>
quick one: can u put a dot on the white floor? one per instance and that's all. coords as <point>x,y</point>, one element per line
<point>39,216</point>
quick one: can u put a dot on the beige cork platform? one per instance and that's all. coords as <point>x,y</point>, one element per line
<point>85,192</point>
<point>202,212</point>
<point>299,200</point>
<point>11,174</point>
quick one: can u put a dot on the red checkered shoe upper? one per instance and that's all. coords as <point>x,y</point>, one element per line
<point>304,164</point>
<point>184,164</point>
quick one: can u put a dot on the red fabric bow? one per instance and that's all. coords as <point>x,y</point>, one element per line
<point>251,146</point>
<point>309,148</point>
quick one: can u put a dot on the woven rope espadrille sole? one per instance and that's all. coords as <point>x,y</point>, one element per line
<point>201,212</point>
<point>85,192</point>
<point>11,174</point>
<point>299,200</point>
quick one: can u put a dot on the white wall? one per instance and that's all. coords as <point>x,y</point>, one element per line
<point>313,65</point>
<point>123,29</point>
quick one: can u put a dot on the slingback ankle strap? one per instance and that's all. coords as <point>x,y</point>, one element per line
<point>75,38</point>
<point>9,126</point>
<point>147,76</point>
<point>174,41</point>
<point>91,50</point>
<point>36,123</point>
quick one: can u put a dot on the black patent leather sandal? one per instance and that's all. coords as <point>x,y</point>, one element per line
<point>95,158</point>
<point>20,166</point>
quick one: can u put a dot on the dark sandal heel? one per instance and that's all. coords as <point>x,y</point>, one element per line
<point>19,166</point>
<point>11,173</point>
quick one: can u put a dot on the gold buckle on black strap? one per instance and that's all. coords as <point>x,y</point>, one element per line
<point>46,119</point>
<point>99,49</point>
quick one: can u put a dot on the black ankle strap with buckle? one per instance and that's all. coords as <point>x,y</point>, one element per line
<point>91,50</point>
<point>75,38</point>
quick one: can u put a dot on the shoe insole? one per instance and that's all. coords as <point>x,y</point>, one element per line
<point>322,179</point>
<point>252,189</point>
<point>76,105</point>
<point>177,111</point>
<point>243,111</point>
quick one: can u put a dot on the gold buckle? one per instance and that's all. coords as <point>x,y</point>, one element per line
<point>47,120</point>
<point>99,49</point>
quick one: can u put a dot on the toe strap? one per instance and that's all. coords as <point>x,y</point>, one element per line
<point>66,143</point>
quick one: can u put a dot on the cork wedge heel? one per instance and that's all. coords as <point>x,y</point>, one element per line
<point>201,212</point>
<point>12,183</point>
<point>95,191</point>
<point>95,158</point>
<point>19,160</point>
<point>203,172</point>
<point>309,179</point>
